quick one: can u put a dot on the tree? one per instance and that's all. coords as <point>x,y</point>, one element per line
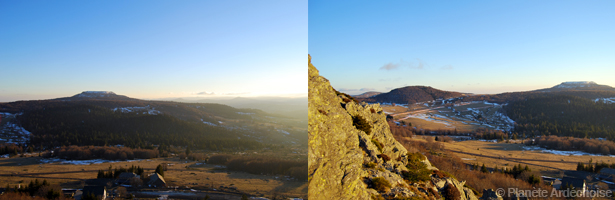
<point>187,151</point>
<point>450,192</point>
<point>160,170</point>
<point>580,166</point>
<point>244,197</point>
<point>53,194</point>
<point>533,180</point>
<point>483,169</point>
<point>89,196</point>
<point>121,191</point>
<point>135,182</point>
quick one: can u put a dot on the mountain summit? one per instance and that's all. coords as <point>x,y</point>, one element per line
<point>578,85</point>
<point>96,95</point>
<point>412,94</point>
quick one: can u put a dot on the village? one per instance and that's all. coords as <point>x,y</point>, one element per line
<point>160,178</point>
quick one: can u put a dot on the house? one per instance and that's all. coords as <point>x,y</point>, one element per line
<point>100,181</point>
<point>156,180</point>
<point>98,191</point>
<point>606,174</point>
<point>578,174</point>
<point>69,192</point>
<point>124,178</point>
<point>575,183</point>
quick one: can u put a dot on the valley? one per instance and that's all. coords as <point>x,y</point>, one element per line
<point>192,179</point>
<point>65,141</point>
<point>553,133</point>
<point>462,117</point>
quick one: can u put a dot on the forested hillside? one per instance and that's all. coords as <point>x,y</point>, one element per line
<point>412,94</point>
<point>75,124</point>
<point>563,115</point>
<point>519,96</point>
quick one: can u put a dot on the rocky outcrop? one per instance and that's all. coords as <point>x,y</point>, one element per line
<point>490,194</point>
<point>353,155</point>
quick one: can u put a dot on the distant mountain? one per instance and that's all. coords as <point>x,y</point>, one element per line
<point>87,117</point>
<point>291,107</point>
<point>585,89</point>
<point>367,94</point>
<point>578,85</point>
<point>412,94</point>
<point>96,95</point>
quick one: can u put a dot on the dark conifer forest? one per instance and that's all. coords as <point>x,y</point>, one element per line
<point>563,115</point>
<point>77,124</point>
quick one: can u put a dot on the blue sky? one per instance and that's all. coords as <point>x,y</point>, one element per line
<point>152,49</point>
<point>466,46</point>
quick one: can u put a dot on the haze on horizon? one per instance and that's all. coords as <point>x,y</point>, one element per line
<point>153,49</point>
<point>481,47</point>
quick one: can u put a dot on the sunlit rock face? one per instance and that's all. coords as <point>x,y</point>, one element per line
<point>340,153</point>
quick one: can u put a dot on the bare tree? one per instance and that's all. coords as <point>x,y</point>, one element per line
<point>122,192</point>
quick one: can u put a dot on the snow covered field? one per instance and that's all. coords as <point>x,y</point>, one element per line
<point>144,110</point>
<point>209,123</point>
<point>12,133</point>
<point>609,100</point>
<point>558,152</point>
<point>81,162</point>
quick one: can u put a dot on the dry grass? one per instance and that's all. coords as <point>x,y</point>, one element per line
<point>201,177</point>
<point>394,109</point>
<point>509,154</point>
<point>431,125</point>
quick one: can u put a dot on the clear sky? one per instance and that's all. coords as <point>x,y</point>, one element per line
<point>153,49</point>
<point>466,46</point>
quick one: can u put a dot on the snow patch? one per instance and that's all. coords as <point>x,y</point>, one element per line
<point>559,152</point>
<point>144,110</point>
<point>91,94</point>
<point>429,118</point>
<point>15,133</point>
<point>575,84</point>
<point>609,100</point>
<point>80,162</point>
<point>494,141</point>
<point>209,123</point>
<point>283,131</point>
<point>243,113</point>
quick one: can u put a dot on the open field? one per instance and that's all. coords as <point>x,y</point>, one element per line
<point>510,154</point>
<point>181,173</point>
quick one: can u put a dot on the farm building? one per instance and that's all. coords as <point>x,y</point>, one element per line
<point>156,180</point>
<point>124,178</point>
<point>98,191</point>
<point>606,174</point>
<point>575,183</point>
